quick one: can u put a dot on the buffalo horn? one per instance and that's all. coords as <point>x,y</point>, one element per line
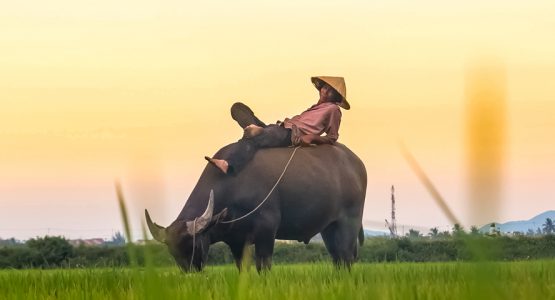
<point>202,221</point>
<point>158,232</point>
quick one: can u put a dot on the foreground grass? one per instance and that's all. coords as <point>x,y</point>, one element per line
<point>507,280</point>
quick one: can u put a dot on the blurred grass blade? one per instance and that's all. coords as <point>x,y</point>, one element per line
<point>425,180</point>
<point>126,225</point>
<point>147,253</point>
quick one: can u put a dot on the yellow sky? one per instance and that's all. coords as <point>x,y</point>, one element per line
<point>94,90</point>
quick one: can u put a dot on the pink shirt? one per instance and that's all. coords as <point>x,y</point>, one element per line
<point>318,119</point>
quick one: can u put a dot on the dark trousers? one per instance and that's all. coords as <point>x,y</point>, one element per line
<point>240,153</point>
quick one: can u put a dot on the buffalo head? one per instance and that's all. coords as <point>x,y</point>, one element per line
<point>188,241</point>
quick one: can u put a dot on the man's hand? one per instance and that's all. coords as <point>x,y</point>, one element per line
<point>308,139</point>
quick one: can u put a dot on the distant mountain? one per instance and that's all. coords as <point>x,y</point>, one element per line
<point>522,226</point>
<point>368,232</point>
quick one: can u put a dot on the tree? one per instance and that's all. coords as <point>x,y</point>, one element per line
<point>50,251</point>
<point>548,227</point>
<point>444,234</point>
<point>414,233</point>
<point>458,230</point>
<point>117,240</point>
<point>434,232</point>
<point>474,230</point>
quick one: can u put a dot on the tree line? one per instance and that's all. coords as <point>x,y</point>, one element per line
<point>57,252</point>
<point>546,228</point>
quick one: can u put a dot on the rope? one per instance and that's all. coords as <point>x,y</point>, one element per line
<point>269,193</point>
<point>194,242</point>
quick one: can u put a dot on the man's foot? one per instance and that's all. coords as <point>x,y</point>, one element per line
<point>218,163</point>
<point>252,131</point>
<point>244,115</point>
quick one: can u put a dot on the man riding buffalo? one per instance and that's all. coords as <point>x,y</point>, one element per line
<point>301,130</point>
<point>278,194</point>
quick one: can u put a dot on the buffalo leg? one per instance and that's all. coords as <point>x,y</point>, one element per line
<point>340,239</point>
<point>328,235</point>
<point>237,249</point>
<point>263,251</point>
<point>346,243</point>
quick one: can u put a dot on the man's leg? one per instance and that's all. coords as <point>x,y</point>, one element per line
<point>236,156</point>
<point>244,116</point>
<point>273,136</point>
<point>239,154</point>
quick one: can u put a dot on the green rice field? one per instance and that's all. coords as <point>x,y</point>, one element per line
<point>457,280</point>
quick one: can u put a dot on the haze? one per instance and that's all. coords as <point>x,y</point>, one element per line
<point>97,90</point>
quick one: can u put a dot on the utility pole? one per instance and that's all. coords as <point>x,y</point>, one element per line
<point>393,225</point>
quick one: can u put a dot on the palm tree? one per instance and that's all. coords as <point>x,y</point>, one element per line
<point>458,230</point>
<point>548,226</point>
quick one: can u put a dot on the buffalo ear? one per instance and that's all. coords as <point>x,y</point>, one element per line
<point>220,216</point>
<point>217,218</point>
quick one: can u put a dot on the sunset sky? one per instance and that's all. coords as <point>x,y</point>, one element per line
<point>91,91</point>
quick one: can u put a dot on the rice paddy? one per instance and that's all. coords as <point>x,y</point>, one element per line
<point>456,280</point>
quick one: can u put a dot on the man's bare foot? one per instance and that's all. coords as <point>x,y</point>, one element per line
<point>219,163</point>
<point>252,131</point>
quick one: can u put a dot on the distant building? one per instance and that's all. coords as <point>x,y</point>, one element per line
<point>493,230</point>
<point>87,242</point>
<point>9,242</point>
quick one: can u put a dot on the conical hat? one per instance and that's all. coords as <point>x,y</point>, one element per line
<point>337,83</point>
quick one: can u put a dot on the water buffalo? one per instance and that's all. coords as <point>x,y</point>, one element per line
<point>322,191</point>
